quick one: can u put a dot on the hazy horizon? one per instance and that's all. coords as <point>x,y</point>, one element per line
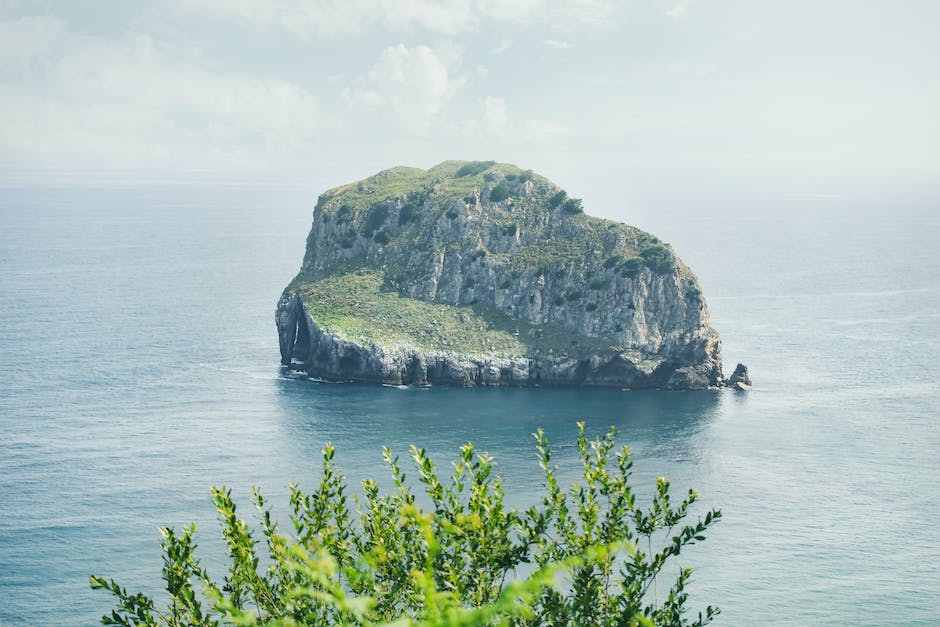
<point>627,104</point>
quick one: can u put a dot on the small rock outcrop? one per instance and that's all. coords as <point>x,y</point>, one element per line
<point>483,274</point>
<point>739,379</point>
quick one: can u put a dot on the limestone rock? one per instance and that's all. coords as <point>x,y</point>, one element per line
<point>482,274</point>
<point>739,379</point>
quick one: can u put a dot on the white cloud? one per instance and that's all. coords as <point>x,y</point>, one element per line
<point>595,13</point>
<point>443,16</point>
<point>503,46</point>
<point>495,116</point>
<point>678,11</point>
<point>301,19</point>
<point>331,18</point>
<point>544,131</point>
<point>495,121</point>
<point>558,44</point>
<point>308,19</point>
<point>509,10</point>
<point>28,40</point>
<point>412,83</point>
<point>242,84</point>
<point>136,99</point>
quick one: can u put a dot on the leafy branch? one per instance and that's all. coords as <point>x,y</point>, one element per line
<point>577,558</point>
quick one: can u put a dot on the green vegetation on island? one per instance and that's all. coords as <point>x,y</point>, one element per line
<point>428,192</point>
<point>358,307</point>
<point>481,262</point>
<point>587,555</point>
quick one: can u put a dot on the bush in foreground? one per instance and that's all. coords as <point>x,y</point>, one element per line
<point>391,563</point>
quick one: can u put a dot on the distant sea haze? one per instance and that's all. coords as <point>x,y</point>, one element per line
<point>140,367</point>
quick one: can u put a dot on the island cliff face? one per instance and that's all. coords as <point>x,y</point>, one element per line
<point>482,274</point>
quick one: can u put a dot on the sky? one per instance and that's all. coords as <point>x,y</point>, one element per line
<point>819,99</point>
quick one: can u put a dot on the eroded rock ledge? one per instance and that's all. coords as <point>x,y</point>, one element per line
<point>324,355</point>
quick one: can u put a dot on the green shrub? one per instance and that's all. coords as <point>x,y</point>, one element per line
<point>598,284</point>
<point>511,229</point>
<point>612,261</point>
<point>505,285</point>
<point>526,176</point>
<point>382,237</point>
<point>472,168</point>
<point>591,307</point>
<point>452,214</point>
<point>559,301</point>
<point>658,257</point>
<point>407,213</point>
<point>419,196</point>
<point>470,199</point>
<point>557,198</point>
<point>500,192</point>
<point>591,547</point>
<point>378,214</point>
<point>574,295</point>
<point>344,213</point>
<point>573,205</point>
<point>631,266</point>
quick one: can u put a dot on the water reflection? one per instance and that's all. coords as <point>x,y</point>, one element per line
<point>361,419</point>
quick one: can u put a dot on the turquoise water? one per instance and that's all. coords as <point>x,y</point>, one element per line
<point>139,367</point>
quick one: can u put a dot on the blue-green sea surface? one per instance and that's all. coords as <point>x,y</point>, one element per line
<point>139,367</point>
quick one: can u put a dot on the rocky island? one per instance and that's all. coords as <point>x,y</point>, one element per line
<point>483,274</point>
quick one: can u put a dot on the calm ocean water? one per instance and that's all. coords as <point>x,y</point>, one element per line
<point>139,367</point>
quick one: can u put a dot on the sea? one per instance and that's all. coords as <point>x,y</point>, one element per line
<point>139,367</point>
